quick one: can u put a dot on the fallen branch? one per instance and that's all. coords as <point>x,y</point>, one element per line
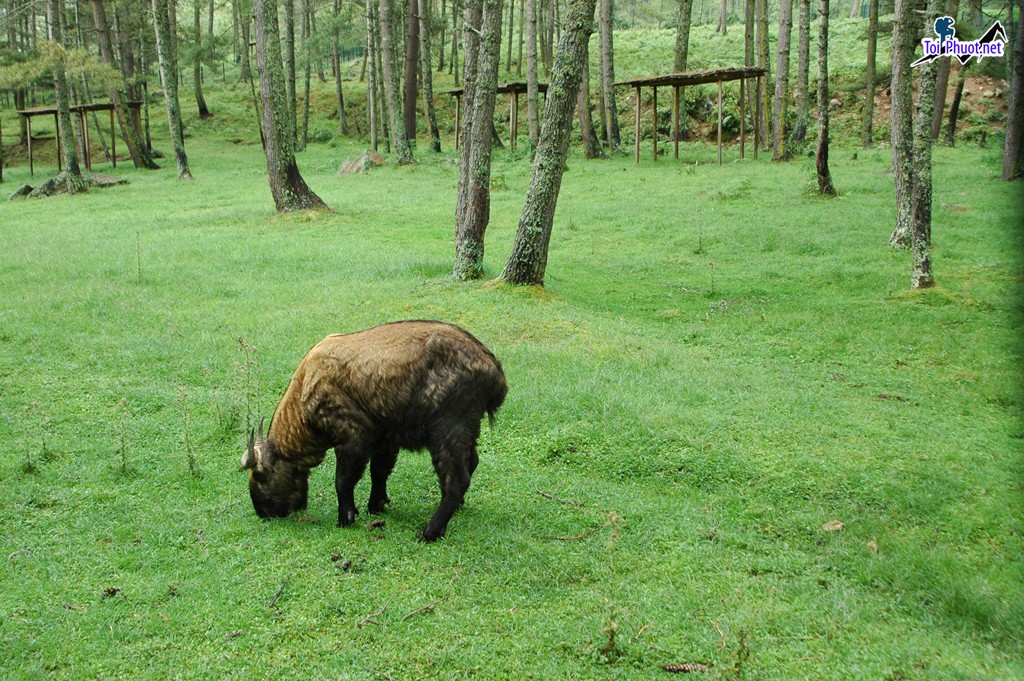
<point>425,608</point>
<point>549,495</point>
<point>280,590</point>
<point>369,619</point>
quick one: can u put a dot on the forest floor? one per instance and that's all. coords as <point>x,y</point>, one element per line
<point>733,436</point>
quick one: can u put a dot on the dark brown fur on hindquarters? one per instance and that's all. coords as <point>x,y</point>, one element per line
<point>405,385</point>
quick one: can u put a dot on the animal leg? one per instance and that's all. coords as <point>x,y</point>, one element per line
<point>348,472</point>
<point>381,465</point>
<point>454,461</point>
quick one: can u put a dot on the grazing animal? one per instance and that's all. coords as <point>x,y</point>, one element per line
<point>404,385</point>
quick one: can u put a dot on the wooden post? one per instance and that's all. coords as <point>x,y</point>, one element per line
<point>675,120</point>
<point>636,135</point>
<point>31,161</point>
<point>514,123</point>
<point>113,139</point>
<point>742,116</point>
<point>757,116</point>
<point>719,122</point>
<point>458,123</point>
<point>654,109</point>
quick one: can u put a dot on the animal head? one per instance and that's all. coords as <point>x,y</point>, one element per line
<point>278,487</point>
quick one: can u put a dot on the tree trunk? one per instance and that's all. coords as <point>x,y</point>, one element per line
<point>287,186</point>
<point>608,105</point>
<point>169,79</point>
<point>307,66</point>
<point>71,178</point>
<point>336,67</point>
<point>528,260</point>
<point>289,63</point>
<point>412,65</point>
<point>476,155</point>
<point>119,94</point>
<point>244,24</point>
<point>905,31</point>
<point>471,60</point>
<point>522,28</point>
<point>682,52</point>
<point>532,86</point>
<point>921,159</point>
<point>590,145</point>
<point>942,81</point>
<point>825,186</point>
<point>869,76</point>
<point>428,76</point>
<point>511,33</point>
<point>803,63</point>
<point>779,151</point>
<point>372,101</point>
<point>748,49</point>
<point>1013,164</point>
<point>763,61</point>
<point>399,139</point>
<point>954,108</point>
<point>197,60</point>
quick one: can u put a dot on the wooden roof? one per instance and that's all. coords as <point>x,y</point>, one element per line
<point>694,77</point>
<point>504,88</point>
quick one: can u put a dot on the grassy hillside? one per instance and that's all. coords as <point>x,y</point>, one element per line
<point>720,367</point>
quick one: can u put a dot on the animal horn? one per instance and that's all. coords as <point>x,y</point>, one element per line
<point>262,437</point>
<point>250,458</point>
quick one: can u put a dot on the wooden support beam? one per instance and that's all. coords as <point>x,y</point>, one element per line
<point>654,109</point>
<point>719,122</point>
<point>636,127</point>
<point>675,120</point>
<point>742,116</point>
<point>757,117</point>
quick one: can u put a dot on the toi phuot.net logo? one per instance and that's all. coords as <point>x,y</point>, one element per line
<point>990,44</point>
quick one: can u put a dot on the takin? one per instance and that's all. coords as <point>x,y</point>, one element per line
<point>404,385</point>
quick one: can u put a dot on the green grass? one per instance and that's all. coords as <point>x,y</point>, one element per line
<point>721,364</point>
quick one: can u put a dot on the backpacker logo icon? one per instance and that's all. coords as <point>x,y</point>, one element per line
<point>990,44</point>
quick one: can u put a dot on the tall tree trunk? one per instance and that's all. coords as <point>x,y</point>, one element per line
<point>942,81</point>
<point>511,34</point>
<point>119,94</point>
<point>287,186</point>
<point>426,70</point>
<point>905,31</point>
<point>71,178</point>
<point>825,186</point>
<point>803,63</point>
<point>779,151</point>
<point>336,67</point>
<point>682,52</point>
<point>590,145</point>
<point>169,79</point>
<point>1013,163</point>
<point>748,49</point>
<point>372,108</point>
<point>528,260</point>
<point>522,28</point>
<point>608,105</point>
<point>399,139</point>
<point>869,76</point>
<point>471,27</point>
<point>723,15</point>
<point>244,25</point>
<point>921,159</point>
<point>412,65</point>
<point>289,64</point>
<point>476,155</point>
<point>532,86</point>
<point>954,108</point>
<point>307,66</point>
<point>763,60</point>
<point>197,61</point>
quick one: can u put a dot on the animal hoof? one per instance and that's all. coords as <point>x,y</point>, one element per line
<point>346,518</point>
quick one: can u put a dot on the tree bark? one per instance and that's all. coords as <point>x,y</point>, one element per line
<point>169,79</point>
<point>412,65</point>
<point>532,86</point>
<point>942,81</point>
<point>476,155</point>
<point>304,32</point>
<point>590,145</point>
<point>528,260</point>
<point>1013,164</point>
<point>244,24</point>
<point>427,76</point>
<point>921,159</point>
<point>825,186</point>
<point>905,31</point>
<point>803,106</point>
<point>336,67</point>
<point>748,48</point>
<point>399,139</point>
<point>289,62</point>
<point>288,188</point>
<point>779,151</point>
<point>763,60</point>
<point>954,108</point>
<point>119,94</point>
<point>608,105</point>
<point>197,60</point>
<point>682,52</point>
<point>71,179</point>
<point>869,76</point>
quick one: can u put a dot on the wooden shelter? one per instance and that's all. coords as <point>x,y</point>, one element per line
<point>513,90</point>
<point>81,110</point>
<point>680,80</point>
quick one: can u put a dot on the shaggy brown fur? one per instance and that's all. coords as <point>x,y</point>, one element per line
<point>405,385</point>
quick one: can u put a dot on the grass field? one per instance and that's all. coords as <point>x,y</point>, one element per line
<point>720,366</point>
